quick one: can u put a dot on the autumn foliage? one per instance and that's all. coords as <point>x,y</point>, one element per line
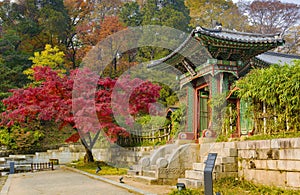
<point>76,99</point>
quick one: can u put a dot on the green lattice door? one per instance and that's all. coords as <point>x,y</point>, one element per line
<point>203,110</point>
<point>245,120</point>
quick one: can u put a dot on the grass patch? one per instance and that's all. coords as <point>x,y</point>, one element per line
<point>230,186</point>
<point>92,167</point>
<point>274,136</point>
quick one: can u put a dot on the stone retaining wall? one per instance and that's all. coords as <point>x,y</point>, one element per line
<point>271,162</point>
<point>122,157</point>
<point>117,156</point>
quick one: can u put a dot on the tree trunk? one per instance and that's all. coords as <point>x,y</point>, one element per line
<point>88,157</point>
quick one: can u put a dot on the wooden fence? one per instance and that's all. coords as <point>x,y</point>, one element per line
<point>138,137</point>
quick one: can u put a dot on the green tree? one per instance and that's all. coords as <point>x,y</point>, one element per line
<point>12,63</point>
<point>167,13</point>
<point>21,139</point>
<point>53,19</point>
<point>130,14</point>
<point>205,12</point>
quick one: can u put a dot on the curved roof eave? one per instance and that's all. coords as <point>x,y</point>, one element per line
<point>173,53</point>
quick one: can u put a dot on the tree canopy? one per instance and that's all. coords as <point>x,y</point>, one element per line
<point>270,16</point>
<point>55,100</point>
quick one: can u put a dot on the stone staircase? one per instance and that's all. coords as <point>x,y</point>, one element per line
<point>166,164</point>
<point>226,164</point>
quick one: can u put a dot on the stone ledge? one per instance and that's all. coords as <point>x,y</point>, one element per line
<point>191,183</point>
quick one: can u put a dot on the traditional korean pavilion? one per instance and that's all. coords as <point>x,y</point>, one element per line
<point>211,60</point>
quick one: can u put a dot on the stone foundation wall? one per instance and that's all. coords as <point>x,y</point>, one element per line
<point>271,162</point>
<point>121,157</point>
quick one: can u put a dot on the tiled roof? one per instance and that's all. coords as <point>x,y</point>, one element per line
<point>219,44</point>
<point>277,58</point>
<point>239,36</point>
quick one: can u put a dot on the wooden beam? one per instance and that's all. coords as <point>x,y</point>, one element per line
<point>189,68</point>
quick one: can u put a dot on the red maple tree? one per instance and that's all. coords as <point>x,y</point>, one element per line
<point>82,100</point>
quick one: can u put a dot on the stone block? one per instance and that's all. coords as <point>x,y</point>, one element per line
<point>247,154</point>
<point>289,154</point>
<point>259,164</point>
<point>271,164</point>
<point>149,173</point>
<point>229,167</point>
<point>266,177</point>
<point>233,152</point>
<point>191,183</point>
<point>18,157</point>
<point>147,180</point>
<point>191,174</point>
<point>198,166</point>
<point>132,172</point>
<point>218,169</point>
<point>263,154</point>
<point>170,173</point>
<point>288,165</point>
<point>242,145</point>
<point>216,147</point>
<point>293,179</point>
<point>226,160</point>
<point>230,145</point>
<point>224,174</point>
<point>204,140</point>
<point>262,144</point>
<point>285,143</point>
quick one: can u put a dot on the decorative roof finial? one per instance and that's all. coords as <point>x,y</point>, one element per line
<point>218,26</point>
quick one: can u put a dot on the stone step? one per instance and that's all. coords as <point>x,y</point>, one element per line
<point>192,174</point>
<point>224,152</point>
<point>153,167</point>
<point>198,166</point>
<point>146,180</point>
<point>149,173</point>
<point>221,160</point>
<point>133,172</point>
<point>199,175</point>
<point>218,167</point>
<point>191,183</point>
<point>136,167</point>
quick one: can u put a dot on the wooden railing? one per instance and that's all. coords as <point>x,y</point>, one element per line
<point>42,166</point>
<point>138,137</point>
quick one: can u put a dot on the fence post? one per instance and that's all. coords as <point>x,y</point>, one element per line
<point>52,166</point>
<point>169,132</point>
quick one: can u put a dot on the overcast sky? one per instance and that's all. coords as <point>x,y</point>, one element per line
<point>284,1</point>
